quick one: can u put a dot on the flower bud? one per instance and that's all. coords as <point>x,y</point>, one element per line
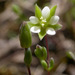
<point>51,64</point>
<point>44,64</point>
<point>41,52</point>
<point>28,57</point>
<point>25,36</point>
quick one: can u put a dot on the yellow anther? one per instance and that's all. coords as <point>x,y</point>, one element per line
<point>43,24</point>
<point>41,18</point>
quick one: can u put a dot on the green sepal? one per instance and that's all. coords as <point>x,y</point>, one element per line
<point>44,64</point>
<point>70,55</point>
<point>52,12</point>
<point>56,27</point>
<point>28,57</point>
<point>42,33</point>
<point>38,13</point>
<point>41,36</point>
<point>51,64</point>
<point>31,24</point>
<point>25,36</point>
<point>44,53</point>
<point>41,52</point>
<point>16,9</point>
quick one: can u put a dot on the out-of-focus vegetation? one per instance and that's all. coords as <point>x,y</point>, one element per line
<point>12,55</point>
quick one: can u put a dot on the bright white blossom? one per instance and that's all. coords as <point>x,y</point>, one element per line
<point>54,20</point>
<point>34,19</point>
<point>35,29</point>
<point>45,12</point>
<point>51,31</point>
<point>46,24</point>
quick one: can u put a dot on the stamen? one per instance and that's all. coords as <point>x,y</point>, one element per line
<point>41,18</point>
<point>43,24</point>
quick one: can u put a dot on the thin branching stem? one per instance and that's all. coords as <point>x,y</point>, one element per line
<point>28,68</point>
<point>46,40</point>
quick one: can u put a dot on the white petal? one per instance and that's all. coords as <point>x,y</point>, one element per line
<point>45,12</point>
<point>35,29</point>
<point>54,20</point>
<point>51,31</point>
<point>34,19</point>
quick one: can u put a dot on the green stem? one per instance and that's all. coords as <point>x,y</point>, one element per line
<point>29,71</point>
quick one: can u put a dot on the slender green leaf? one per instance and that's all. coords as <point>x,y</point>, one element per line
<point>16,9</point>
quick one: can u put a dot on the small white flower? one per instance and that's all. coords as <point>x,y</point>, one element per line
<point>54,20</point>
<point>43,24</point>
<point>45,12</point>
<point>35,29</point>
<point>50,31</point>
<point>33,19</point>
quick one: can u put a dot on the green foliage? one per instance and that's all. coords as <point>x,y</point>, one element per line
<point>28,57</point>
<point>52,12</point>
<point>41,52</point>
<point>30,24</point>
<point>51,63</point>
<point>69,17</point>
<point>25,36</point>
<point>73,12</point>
<point>38,13</point>
<point>44,64</point>
<point>16,9</point>
<point>42,33</point>
<point>70,55</point>
<point>72,1</point>
<point>56,27</point>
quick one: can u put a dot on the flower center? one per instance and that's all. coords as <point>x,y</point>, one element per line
<point>42,24</point>
<point>43,21</point>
